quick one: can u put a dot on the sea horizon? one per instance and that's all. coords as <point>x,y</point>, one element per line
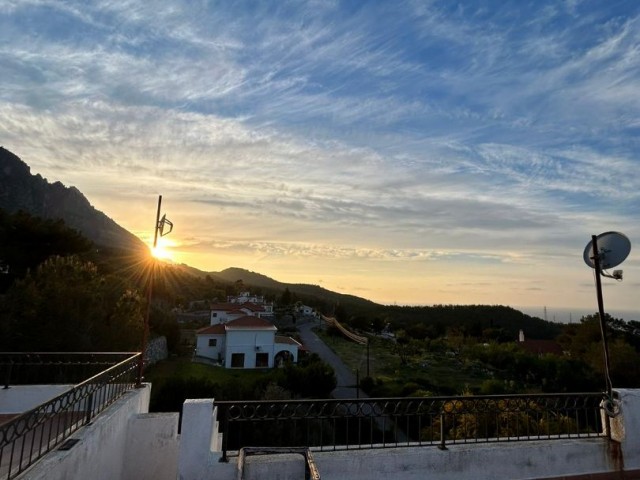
<point>575,314</point>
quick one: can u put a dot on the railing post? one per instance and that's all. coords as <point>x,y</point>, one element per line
<point>442,445</point>
<point>89,408</point>
<point>7,377</point>
<point>225,435</point>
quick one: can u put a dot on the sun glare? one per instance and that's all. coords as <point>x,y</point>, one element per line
<point>162,250</point>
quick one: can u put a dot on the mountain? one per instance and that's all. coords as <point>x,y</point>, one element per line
<point>313,294</point>
<point>20,190</point>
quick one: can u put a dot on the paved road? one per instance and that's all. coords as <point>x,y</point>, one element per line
<point>346,379</point>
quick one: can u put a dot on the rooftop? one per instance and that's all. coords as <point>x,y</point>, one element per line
<point>250,323</point>
<point>100,428</point>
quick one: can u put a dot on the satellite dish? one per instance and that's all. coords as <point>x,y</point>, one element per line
<point>613,249</point>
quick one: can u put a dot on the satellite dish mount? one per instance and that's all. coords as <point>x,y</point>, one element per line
<point>605,251</point>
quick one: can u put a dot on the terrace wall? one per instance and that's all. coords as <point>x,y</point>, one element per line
<point>582,458</point>
<point>123,442</point>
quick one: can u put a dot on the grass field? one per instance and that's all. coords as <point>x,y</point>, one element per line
<point>183,367</point>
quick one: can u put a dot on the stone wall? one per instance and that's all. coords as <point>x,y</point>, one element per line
<point>156,350</point>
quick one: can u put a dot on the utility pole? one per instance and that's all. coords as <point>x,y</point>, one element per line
<point>158,229</point>
<point>367,357</point>
<point>603,326</point>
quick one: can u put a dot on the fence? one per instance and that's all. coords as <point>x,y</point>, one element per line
<point>396,422</point>
<point>32,434</point>
<point>332,322</point>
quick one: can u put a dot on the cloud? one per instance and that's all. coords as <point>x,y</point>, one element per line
<point>414,133</point>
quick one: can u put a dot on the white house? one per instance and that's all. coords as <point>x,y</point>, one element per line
<point>247,298</point>
<point>224,312</point>
<point>245,342</point>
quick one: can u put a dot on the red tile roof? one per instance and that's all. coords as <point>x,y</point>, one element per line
<point>212,330</point>
<point>250,323</point>
<point>253,307</point>
<point>223,306</point>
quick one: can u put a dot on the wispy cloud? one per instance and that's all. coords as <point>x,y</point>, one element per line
<point>495,135</point>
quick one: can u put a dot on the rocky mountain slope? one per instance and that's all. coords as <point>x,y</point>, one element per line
<point>20,190</point>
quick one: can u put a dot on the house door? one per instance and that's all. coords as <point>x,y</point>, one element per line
<point>262,360</point>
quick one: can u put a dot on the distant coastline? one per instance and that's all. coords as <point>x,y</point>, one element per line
<point>567,315</point>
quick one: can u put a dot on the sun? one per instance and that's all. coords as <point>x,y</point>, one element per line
<point>162,251</point>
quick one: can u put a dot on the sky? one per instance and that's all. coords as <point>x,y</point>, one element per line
<point>408,152</point>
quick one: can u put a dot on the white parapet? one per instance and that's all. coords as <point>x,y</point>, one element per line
<point>199,455</point>
<point>552,458</point>
<point>100,451</point>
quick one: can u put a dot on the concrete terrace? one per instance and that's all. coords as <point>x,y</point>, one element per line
<point>100,436</point>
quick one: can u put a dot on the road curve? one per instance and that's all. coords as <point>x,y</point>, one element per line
<point>346,380</point>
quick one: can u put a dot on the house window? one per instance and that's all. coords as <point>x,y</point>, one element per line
<point>237,360</point>
<point>214,314</point>
<point>213,342</point>
<point>262,360</point>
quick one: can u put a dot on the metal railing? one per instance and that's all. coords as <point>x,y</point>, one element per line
<point>50,368</point>
<point>405,422</point>
<point>30,435</point>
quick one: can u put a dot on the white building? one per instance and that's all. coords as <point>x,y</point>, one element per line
<point>245,342</point>
<point>247,297</point>
<point>224,312</point>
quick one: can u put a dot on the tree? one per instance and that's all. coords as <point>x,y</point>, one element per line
<point>26,241</point>
<point>311,378</point>
<point>405,347</point>
<point>67,306</point>
<point>285,299</point>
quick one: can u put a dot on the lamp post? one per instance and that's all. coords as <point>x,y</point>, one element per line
<point>159,228</point>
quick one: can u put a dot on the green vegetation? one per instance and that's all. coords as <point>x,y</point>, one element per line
<point>177,379</point>
<point>427,372</point>
<point>64,293</point>
<point>65,305</point>
<point>459,362</point>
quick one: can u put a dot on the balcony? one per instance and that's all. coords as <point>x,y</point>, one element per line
<point>99,427</point>
<point>493,437</point>
<point>76,415</point>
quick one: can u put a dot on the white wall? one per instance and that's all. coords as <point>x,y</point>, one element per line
<point>246,341</point>
<point>152,447</point>
<point>204,350</point>
<point>200,444</point>
<point>285,347</point>
<point>625,428</point>
<point>492,461</point>
<point>219,316</point>
<point>119,444</point>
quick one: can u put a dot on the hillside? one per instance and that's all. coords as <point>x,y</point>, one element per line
<point>311,294</point>
<point>20,190</point>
